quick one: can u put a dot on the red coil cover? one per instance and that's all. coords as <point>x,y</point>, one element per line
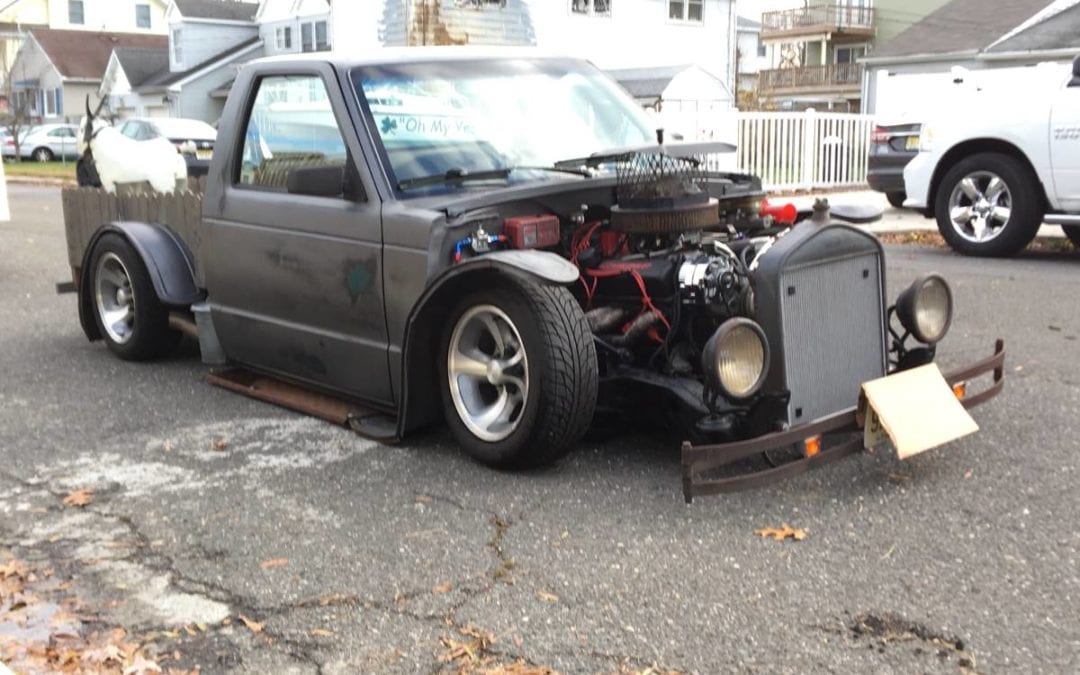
<point>532,231</point>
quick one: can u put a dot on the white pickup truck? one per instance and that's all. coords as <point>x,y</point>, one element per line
<point>992,175</point>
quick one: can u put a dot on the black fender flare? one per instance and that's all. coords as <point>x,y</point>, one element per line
<point>167,259</point>
<point>417,404</point>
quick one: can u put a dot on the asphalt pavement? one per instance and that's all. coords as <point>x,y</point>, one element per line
<point>358,557</point>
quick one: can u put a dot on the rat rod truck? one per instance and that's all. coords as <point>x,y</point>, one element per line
<point>502,240</point>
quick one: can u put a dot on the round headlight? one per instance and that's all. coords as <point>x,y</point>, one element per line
<point>925,308</point>
<point>736,359</point>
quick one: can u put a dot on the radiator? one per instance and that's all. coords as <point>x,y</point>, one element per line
<point>831,315</point>
<point>821,304</point>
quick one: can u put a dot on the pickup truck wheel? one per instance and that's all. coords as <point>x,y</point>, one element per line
<point>519,375</point>
<point>131,319</point>
<point>988,205</point>
<point>1073,233</point>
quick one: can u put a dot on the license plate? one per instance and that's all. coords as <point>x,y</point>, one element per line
<point>912,143</point>
<point>204,154</point>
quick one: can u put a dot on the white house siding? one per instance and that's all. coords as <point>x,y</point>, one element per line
<point>201,41</point>
<point>109,15</point>
<point>275,14</point>
<point>196,103</point>
<point>638,33</point>
<point>32,69</point>
<point>750,64</point>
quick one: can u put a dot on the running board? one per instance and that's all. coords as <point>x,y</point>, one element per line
<point>1061,219</point>
<point>366,422</point>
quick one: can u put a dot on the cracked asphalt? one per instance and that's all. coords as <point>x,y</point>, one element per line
<point>595,565</point>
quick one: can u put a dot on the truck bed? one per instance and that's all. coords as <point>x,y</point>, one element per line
<point>87,209</point>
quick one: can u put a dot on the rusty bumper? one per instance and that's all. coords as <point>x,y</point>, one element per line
<point>839,437</point>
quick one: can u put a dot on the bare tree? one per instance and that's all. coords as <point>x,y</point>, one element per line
<point>17,119</point>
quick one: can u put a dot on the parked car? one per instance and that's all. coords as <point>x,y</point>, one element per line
<point>992,179</point>
<point>45,143</point>
<point>892,146</point>
<point>413,234</point>
<point>193,138</point>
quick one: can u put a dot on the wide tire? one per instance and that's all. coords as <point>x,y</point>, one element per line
<point>538,380</point>
<point>132,321</point>
<point>896,199</point>
<point>1073,233</point>
<point>989,204</point>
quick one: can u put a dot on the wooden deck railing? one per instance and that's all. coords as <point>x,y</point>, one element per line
<point>837,75</point>
<point>826,17</point>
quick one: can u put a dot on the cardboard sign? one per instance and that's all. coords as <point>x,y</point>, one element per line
<point>916,410</point>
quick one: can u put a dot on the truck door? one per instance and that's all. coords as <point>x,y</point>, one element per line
<point>1065,144</point>
<point>292,261</point>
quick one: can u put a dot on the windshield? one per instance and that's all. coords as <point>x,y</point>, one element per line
<point>481,115</point>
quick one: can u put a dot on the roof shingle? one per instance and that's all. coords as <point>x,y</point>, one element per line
<point>960,26</point>
<point>81,54</point>
<point>1060,31</point>
<point>227,10</point>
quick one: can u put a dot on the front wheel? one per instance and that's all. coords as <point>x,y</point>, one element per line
<point>1073,233</point>
<point>130,318</point>
<point>518,374</point>
<point>989,205</point>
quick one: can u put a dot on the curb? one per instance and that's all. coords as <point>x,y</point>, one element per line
<point>40,182</point>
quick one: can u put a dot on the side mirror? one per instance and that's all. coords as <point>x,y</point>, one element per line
<point>317,181</point>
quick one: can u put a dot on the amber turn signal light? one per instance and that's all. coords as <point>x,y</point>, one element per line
<point>811,446</point>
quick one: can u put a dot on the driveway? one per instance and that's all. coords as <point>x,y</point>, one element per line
<point>235,536</point>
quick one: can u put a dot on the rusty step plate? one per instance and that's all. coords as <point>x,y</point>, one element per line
<point>366,422</point>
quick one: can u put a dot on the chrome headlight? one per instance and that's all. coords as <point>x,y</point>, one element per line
<point>736,359</point>
<point>925,308</point>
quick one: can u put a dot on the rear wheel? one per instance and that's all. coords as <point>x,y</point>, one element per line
<point>988,205</point>
<point>42,155</point>
<point>130,318</point>
<point>896,199</point>
<point>1073,233</point>
<point>518,375</point>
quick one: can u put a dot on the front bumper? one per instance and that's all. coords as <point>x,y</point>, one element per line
<point>840,436</point>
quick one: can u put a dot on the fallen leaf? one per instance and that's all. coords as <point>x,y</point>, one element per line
<point>276,562</point>
<point>484,637</point>
<point>15,568</point>
<point>322,632</point>
<point>899,477</point>
<point>219,445</point>
<point>167,446</point>
<point>141,666</point>
<point>253,626</point>
<point>79,497</point>
<point>103,656</point>
<point>442,588</point>
<point>547,597</point>
<point>781,533</point>
<point>968,474</point>
<point>422,499</point>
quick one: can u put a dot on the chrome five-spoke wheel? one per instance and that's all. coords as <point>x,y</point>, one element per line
<point>488,373</point>
<point>980,206</point>
<point>114,298</point>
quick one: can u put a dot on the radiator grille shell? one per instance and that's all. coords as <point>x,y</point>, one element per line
<point>821,303</point>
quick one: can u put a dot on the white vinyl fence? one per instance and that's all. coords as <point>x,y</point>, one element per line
<point>804,150</point>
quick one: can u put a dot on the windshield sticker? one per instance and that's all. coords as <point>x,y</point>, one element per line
<point>429,127</point>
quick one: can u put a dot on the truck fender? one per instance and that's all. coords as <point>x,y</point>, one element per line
<point>418,404</point>
<point>170,264</point>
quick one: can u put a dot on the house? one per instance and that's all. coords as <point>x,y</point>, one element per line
<point>814,49</point>
<point>119,16</point>
<point>613,34</point>
<point>935,61</point>
<point>208,41</point>
<point>55,70</point>
<point>751,54</point>
<point>294,26</point>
